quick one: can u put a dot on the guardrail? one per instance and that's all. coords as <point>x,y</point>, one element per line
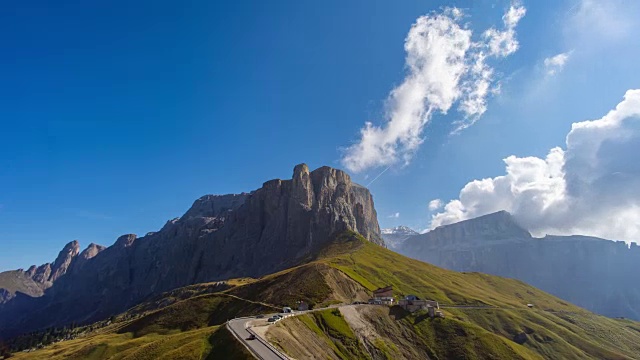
<point>243,341</point>
<point>267,344</point>
<point>275,351</point>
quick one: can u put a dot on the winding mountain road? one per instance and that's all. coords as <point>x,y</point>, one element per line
<point>263,350</point>
<point>259,347</point>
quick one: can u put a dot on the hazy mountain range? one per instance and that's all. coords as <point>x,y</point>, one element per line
<point>597,274</point>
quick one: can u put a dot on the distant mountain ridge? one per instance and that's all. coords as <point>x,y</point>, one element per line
<point>280,225</point>
<point>394,237</point>
<point>492,320</point>
<point>35,280</point>
<point>594,273</point>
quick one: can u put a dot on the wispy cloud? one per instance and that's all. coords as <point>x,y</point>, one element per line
<point>444,66</point>
<point>394,216</point>
<point>556,63</point>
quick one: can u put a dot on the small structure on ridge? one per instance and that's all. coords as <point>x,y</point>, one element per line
<point>383,296</point>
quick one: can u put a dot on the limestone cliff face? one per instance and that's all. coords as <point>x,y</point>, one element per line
<point>64,259</point>
<point>590,272</point>
<point>282,224</point>
<point>38,278</point>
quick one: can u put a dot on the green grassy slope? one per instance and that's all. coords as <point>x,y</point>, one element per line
<point>396,334</point>
<point>188,329</point>
<point>553,329</point>
<point>189,326</point>
<point>194,313</point>
<point>205,343</point>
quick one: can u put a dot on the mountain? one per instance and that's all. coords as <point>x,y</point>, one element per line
<point>491,320</point>
<point>594,273</point>
<point>394,237</point>
<point>37,279</point>
<point>282,224</point>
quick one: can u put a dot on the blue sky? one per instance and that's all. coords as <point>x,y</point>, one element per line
<point>118,115</point>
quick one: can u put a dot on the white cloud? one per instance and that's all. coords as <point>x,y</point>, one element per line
<point>503,42</point>
<point>444,66</point>
<point>435,204</point>
<point>556,63</point>
<point>394,216</point>
<point>592,187</point>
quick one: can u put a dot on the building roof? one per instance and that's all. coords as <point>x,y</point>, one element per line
<point>384,289</point>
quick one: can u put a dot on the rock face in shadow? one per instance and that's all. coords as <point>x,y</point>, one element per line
<point>282,224</point>
<point>599,275</point>
<point>36,279</point>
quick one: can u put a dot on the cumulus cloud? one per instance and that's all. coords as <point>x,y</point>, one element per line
<point>590,187</point>
<point>394,216</point>
<point>444,66</point>
<point>435,204</point>
<point>556,63</point>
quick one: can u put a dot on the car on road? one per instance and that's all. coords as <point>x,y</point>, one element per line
<point>251,337</point>
<point>272,319</point>
<point>260,317</point>
<point>278,316</point>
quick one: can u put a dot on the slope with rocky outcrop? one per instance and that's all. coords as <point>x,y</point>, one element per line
<point>280,225</point>
<point>590,272</point>
<point>486,317</point>
<point>347,269</point>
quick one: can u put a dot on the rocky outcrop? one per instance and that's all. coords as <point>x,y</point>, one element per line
<point>36,279</point>
<point>63,261</point>
<point>87,254</point>
<point>282,224</point>
<point>594,273</point>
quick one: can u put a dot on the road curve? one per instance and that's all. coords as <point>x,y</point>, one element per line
<point>260,348</point>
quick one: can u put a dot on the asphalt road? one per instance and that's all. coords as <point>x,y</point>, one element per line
<point>261,349</point>
<point>258,346</point>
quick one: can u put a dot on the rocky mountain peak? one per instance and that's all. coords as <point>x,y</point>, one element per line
<point>91,251</point>
<point>125,241</point>
<point>395,237</point>
<point>31,271</point>
<point>64,259</point>
<point>400,230</point>
<point>282,224</point>
<point>215,205</point>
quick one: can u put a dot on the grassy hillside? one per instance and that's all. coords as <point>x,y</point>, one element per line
<point>204,343</point>
<point>188,329</point>
<point>382,333</point>
<point>185,323</point>
<point>553,329</point>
